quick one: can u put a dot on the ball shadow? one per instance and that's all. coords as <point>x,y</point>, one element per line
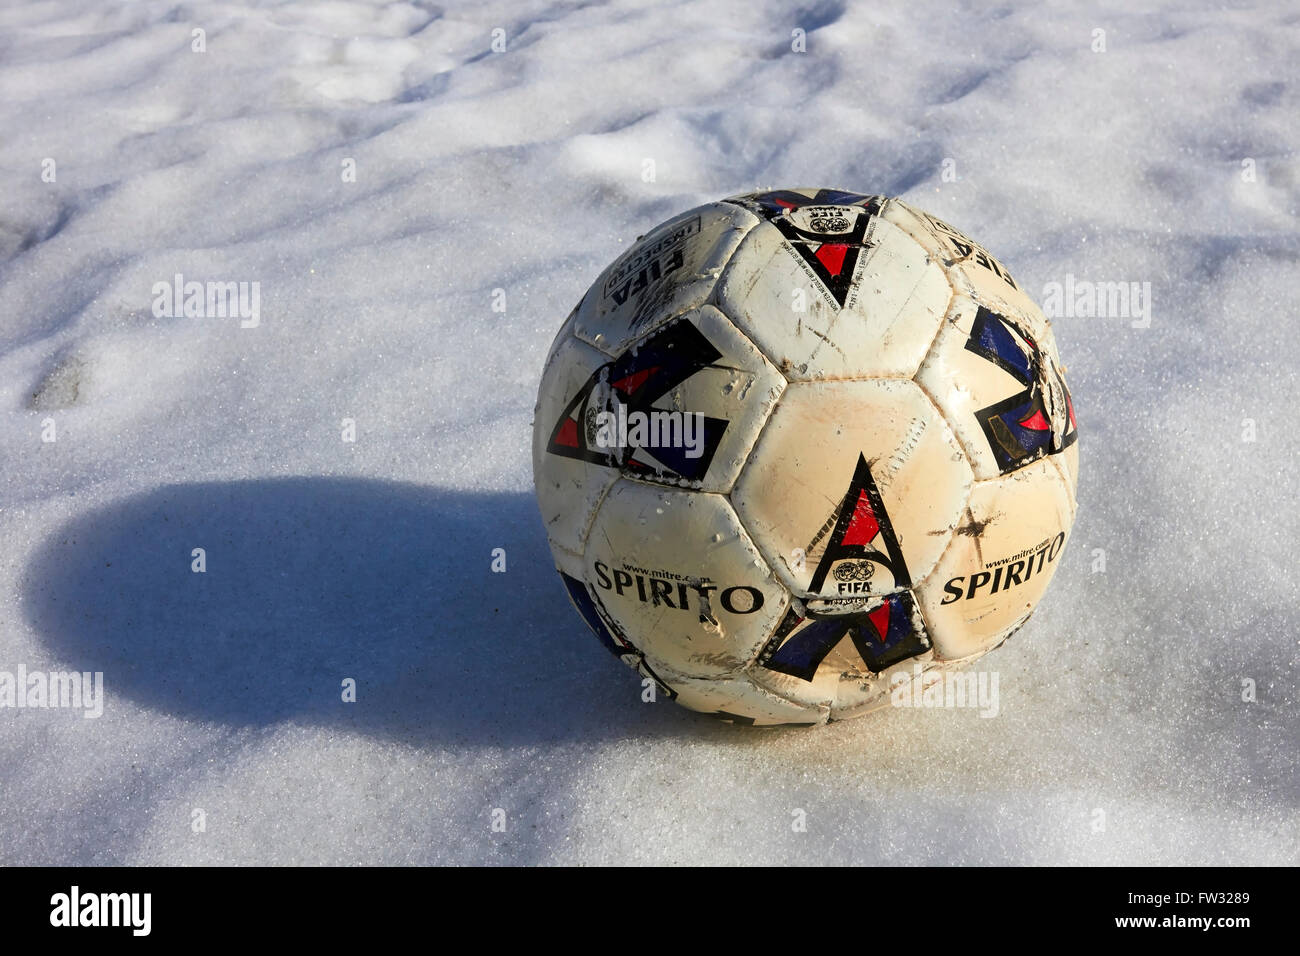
<point>310,581</point>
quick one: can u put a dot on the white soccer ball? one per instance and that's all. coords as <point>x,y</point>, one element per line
<point>796,447</point>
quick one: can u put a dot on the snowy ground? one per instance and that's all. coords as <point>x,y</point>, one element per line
<point>1123,735</point>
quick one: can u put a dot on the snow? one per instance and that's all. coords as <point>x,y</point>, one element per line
<point>1122,734</point>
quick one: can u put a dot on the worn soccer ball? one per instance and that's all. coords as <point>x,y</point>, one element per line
<point>795,448</point>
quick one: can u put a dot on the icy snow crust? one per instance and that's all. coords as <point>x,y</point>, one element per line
<point>1122,734</point>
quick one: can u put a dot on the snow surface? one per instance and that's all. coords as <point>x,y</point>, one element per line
<point>522,171</point>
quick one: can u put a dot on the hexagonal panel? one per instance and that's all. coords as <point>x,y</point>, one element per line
<point>681,579</point>
<point>669,270</point>
<point>875,314</point>
<point>1001,390</point>
<point>1068,462</point>
<point>568,488</point>
<point>972,269</point>
<point>852,490</point>
<point>1000,562</point>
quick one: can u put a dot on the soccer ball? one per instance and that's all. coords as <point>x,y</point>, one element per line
<point>797,448</point>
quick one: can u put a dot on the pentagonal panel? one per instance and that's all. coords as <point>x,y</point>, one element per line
<point>830,290</point>
<point>667,271</point>
<point>852,490</point>
<point>681,406</point>
<point>999,387</point>
<point>843,661</point>
<point>1001,559</point>
<point>972,269</point>
<point>742,702</point>
<point>681,579</point>
<point>568,487</point>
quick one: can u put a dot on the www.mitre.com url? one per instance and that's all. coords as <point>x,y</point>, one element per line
<point>1173,921</point>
